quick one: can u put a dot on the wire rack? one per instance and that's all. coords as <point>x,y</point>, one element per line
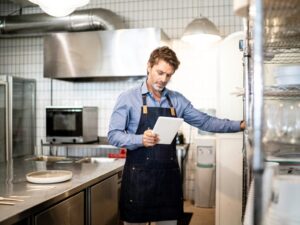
<point>277,37</point>
<point>281,8</point>
<point>282,31</point>
<point>288,56</point>
<point>282,91</point>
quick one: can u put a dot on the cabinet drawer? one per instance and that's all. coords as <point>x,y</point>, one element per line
<point>67,212</point>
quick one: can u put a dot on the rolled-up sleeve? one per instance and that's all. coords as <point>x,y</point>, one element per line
<point>207,122</point>
<point>118,134</point>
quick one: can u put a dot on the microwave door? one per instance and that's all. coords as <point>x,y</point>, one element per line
<point>63,125</point>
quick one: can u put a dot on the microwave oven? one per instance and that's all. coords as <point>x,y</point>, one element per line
<point>71,124</point>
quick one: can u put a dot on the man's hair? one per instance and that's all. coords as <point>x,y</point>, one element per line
<point>166,54</point>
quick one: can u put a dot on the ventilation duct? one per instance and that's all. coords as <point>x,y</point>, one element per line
<point>39,24</point>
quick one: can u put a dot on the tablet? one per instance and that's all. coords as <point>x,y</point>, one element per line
<point>166,128</point>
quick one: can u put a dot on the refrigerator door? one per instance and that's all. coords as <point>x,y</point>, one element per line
<point>23,111</point>
<point>230,77</point>
<point>3,122</point>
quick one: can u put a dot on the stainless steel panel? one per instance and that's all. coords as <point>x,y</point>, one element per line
<point>3,122</point>
<point>119,53</point>
<point>70,211</point>
<point>104,202</point>
<point>90,123</point>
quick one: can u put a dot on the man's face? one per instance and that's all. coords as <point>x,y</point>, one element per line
<point>159,75</point>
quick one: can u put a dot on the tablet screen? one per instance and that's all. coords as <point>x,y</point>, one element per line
<point>166,128</point>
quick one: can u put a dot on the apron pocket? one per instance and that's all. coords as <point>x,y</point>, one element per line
<point>169,188</point>
<point>155,187</point>
<point>142,186</point>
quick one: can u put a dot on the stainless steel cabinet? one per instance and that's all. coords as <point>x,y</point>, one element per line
<point>104,202</point>
<point>68,212</point>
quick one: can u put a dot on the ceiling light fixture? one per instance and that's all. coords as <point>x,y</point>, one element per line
<point>59,8</point>
<point>201,32</point>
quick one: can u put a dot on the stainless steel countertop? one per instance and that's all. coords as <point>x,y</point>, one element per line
<point>41,196</point>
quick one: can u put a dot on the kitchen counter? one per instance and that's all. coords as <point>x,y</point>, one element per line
<point>38,197</point>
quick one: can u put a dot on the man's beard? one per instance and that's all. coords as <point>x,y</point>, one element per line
<point>156,88</point>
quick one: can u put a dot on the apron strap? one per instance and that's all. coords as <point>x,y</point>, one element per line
<point>145,109</point>
<point>173,112</point>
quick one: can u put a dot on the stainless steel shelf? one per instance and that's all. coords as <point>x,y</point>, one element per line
<point>273,35</point>
<point>282,55</point>
<point>282,91</point>
<point>287,91</point>
<point>295,145</point>
<point>99,143</point>
<point>84,146</point>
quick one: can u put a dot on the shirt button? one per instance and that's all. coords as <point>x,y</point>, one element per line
<point>147,158</point>
<point>130,200</point>
<point>171,158</point>
<point>133,168</point>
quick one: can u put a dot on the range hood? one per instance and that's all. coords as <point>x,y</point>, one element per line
<point>96,54</point>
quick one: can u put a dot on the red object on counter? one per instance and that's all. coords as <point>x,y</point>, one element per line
<point>121,154</point>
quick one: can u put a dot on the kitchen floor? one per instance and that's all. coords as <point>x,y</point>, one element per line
<point>201,216</point>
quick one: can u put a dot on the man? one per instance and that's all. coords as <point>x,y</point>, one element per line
<point>151,189</point>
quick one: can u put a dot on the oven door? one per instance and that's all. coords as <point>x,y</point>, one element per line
<point>63,124</point>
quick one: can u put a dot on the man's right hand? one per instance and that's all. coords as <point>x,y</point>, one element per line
<point>149,138</point>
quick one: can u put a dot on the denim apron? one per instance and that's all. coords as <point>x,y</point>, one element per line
<point>151,188</point>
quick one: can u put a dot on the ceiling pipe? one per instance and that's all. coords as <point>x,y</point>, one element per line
<point>40,24</point>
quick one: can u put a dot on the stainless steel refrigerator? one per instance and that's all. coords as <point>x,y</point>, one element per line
<point>17,117</point>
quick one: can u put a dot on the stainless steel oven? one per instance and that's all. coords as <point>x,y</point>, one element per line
<point>71,124</point>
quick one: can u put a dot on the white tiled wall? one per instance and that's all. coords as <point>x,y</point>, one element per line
<point>23,57</point>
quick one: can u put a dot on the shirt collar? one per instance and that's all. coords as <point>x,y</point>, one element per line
<point>145,89</point>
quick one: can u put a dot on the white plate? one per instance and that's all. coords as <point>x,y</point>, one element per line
<point>49,176</point>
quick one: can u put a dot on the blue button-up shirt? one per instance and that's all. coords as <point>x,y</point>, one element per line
<point>126,115</point>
